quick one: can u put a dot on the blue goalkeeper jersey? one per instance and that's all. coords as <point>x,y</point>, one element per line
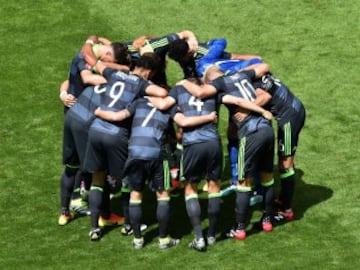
<point>215,56</point>
<point>190,68</point>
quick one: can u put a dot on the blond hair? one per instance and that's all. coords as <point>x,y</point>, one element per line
<point>210,69</point>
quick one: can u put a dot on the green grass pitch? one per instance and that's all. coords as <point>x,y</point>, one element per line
<point>312,45</point>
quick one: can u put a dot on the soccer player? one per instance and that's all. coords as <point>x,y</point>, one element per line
<point>289,112</point>
<point>160,46</point>
<point>81,73</point>
<point>194,65</point>
<point>80,76</point>
<point>76,125</point>
<point>112,54</point>
<point>181,53</point>
<point>146,163</point>
<point>202,156</point>
<point>216,50</point>
<point>256,139</point>
<point>107,147</point>
<point>157,45</point>
<point>214,56</point>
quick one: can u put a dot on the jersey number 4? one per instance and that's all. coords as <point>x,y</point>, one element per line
<point>194,101</point>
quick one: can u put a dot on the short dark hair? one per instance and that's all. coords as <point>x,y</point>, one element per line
<point>150,61</point>
<point>121,53</point>
<point>178,50</point>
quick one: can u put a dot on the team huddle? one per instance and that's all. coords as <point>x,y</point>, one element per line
<point>126,129</point>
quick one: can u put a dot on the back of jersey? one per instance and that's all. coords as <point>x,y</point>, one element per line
<point>283,103</point>
<point>240,85</point>
<point>148,131</point>
<point>120,91</point>
<point>193,106</point>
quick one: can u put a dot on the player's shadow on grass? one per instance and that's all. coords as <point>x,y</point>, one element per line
<point>306,196</point>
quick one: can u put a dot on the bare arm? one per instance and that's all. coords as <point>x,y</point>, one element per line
<point>140,41</point>
<point>246,104</point>
<point>156,91</point>
<point>88,54</point>
<point>162,103</point>
<point>186,34</point>
<point>190,121</point>
<point>191,39</point>
<point>99,68</point>
<point>244,56</point>
<point>67,99</point>
<point>262,97</point>
<point>203,91</point>
<point>90,78</point>
<point>261,69</point>
<point>64,88</point>
<point>112,116</point>
<point>116,66</point>
<point>87,51</point>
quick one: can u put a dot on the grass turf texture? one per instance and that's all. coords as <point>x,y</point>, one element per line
<point>311,45</point>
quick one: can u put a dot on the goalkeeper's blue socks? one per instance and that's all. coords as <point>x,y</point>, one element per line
<point>233,150</point>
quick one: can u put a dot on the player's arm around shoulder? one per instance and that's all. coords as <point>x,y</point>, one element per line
<point>191,121</point>
<point>162,103</point>
<point>116,66</point>
<point>156,91</point>
<point>262,97</point>
<point>87,51</point>
<point>88,77</point>
<point>141,41</point>
<point>203,91</point>
<point>246,104</point>
<point>261,69</point>
<point>112,116</point>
